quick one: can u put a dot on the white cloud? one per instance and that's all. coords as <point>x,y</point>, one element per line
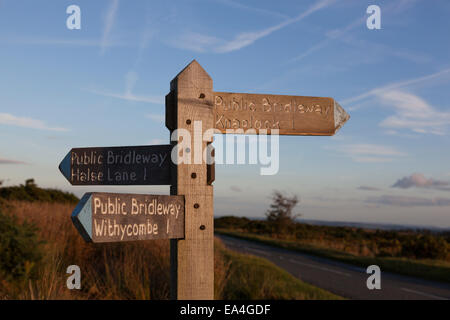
<point>371,159</point>
<point>413,113</point>
<point>146,36</point>
<point>130,96</point>
<point>369,153</point>
<point>238,5</point>
<point>311,50</point>
<point>396,85</point>
<point>330,36</point>
<point>403,201</point>
<point>395,7</point>
<point>196,42</point>
<point>368,188</point>
<point>10,161</point>
<point>156,117</point>
<point>418,180</point>
<point>203,43</point>
<point>20,40</point>
<point>110,17</point>
<point>130,81</point>
<point>406,103</point>
<point>372,149</point>
<point>9,119</point>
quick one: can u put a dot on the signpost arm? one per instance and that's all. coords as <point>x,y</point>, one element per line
<point>189,105</point>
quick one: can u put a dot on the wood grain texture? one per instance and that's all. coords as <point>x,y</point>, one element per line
<point>192,271</point>
<point>291,115</point>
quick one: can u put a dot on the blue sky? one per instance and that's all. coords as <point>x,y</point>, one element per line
<point>105,84</point>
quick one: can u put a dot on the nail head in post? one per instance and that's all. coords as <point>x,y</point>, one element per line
<point>193,175</point>
<point>196,206</point>
<point>202,227</point>
<point>188,121</point>
<point>202,96</point>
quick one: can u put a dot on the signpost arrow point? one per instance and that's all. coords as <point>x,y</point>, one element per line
<point>64,166</point>
<point>82,217</point>
<point>340,116</point>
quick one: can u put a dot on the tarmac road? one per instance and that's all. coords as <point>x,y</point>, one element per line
<point>342,279</point>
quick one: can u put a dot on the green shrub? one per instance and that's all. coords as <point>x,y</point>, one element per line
<point>231,222</point>
<point>20,249</point>
<point>426,247</point>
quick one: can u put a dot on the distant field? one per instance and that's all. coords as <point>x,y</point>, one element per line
<point>133,270</point>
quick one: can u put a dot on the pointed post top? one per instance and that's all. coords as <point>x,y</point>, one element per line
<point>191,74</point>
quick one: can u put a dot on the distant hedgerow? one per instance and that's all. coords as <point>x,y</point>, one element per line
<point>31,192</point>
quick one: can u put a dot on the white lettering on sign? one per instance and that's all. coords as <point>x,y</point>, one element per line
<point>120,216</point>
<point>263,112</point>
<point>115,166</point>
<point>137,207</point>
<point>112,228</point>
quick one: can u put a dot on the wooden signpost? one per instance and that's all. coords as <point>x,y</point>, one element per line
<point>291,115</point>
<point>113,217</point>
<point>186,216</point>
<point>142,165</point>
<point>192,258</point>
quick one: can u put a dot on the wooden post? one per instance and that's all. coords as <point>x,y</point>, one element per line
<point>192,259</point>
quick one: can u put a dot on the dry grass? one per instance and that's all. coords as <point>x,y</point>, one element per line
<point>132,270</point>
<point>135,270</point>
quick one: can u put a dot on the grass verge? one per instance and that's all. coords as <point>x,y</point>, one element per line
<point>427,269</point>
<point>253,278</point>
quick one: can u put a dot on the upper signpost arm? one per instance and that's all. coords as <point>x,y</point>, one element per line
<point>250,113</point>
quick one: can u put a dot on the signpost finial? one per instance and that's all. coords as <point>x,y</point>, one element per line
<point>340,116</point>
<point>189,75</point>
